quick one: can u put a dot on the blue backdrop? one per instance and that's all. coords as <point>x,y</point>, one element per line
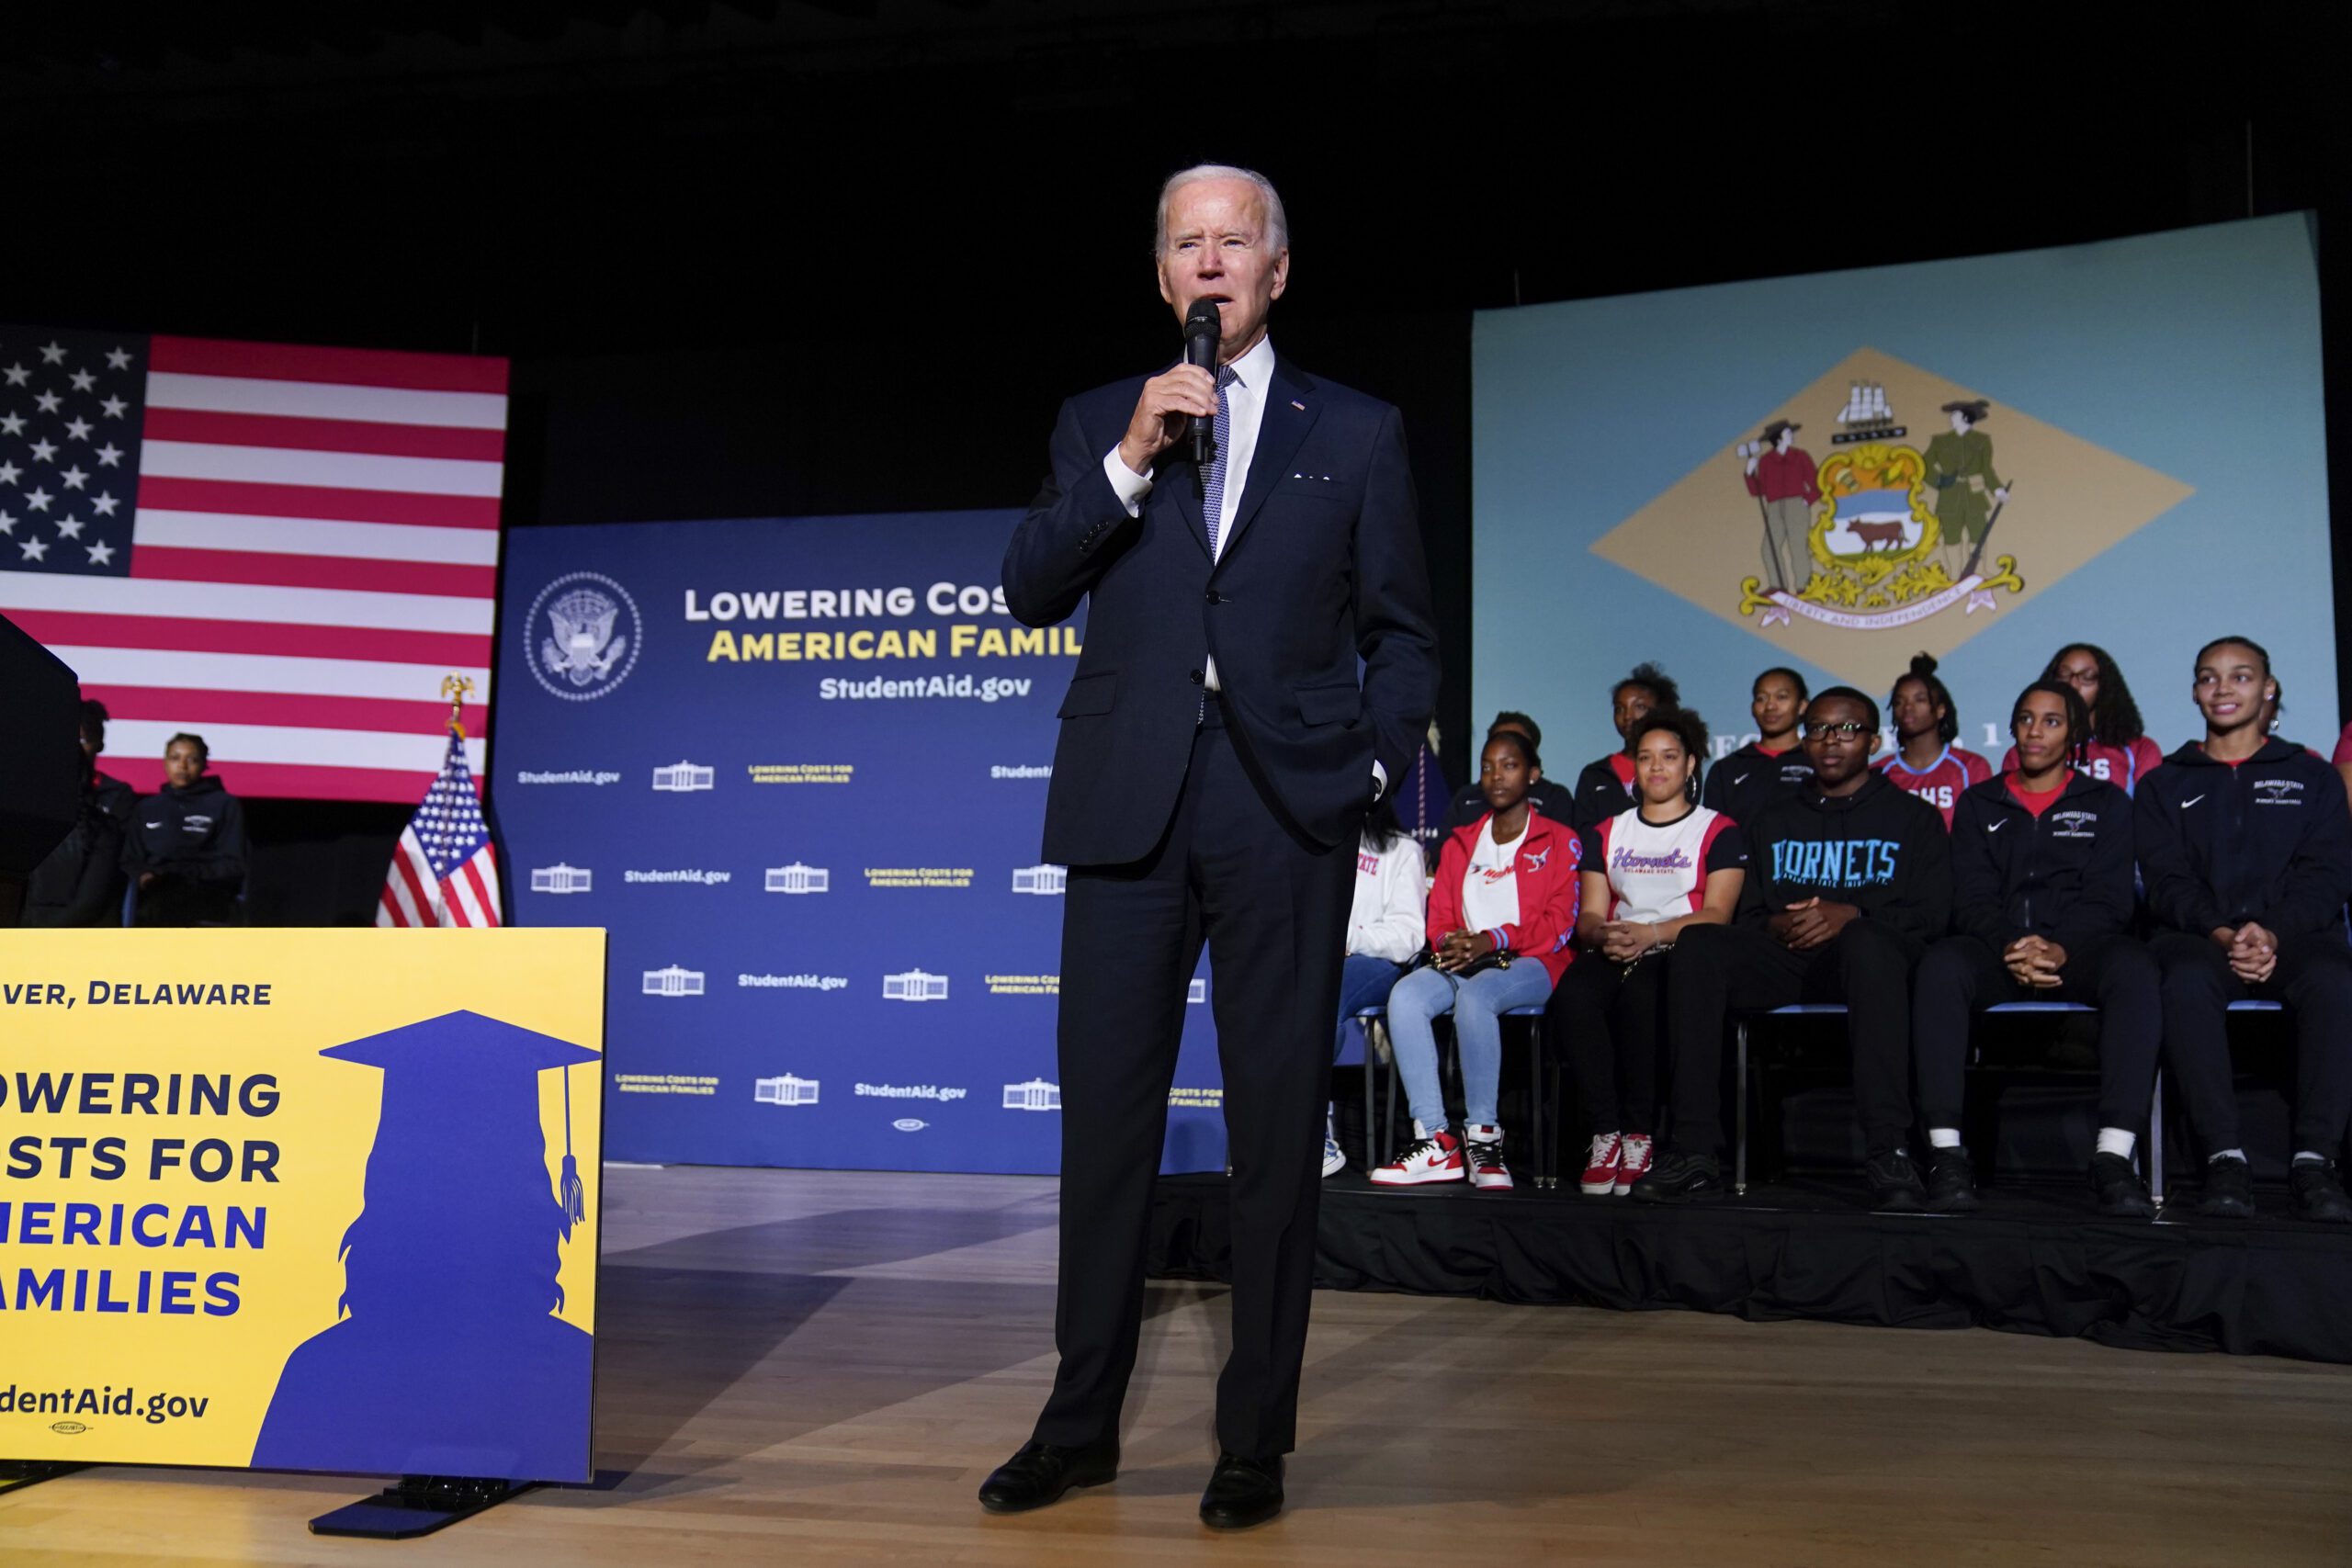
<point>2154,402</point>
<point>797,767</point>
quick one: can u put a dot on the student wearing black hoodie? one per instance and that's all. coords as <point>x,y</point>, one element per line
<point>1848,882</point>
<point>1605,788</point>
<point>186,843</point>
<point>1773,765</point>
<point>2041,899</point>
<point>2245,845</point>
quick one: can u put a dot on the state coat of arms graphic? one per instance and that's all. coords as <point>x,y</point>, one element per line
<point>1908,523</point>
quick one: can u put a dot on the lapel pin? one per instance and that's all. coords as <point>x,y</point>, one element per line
<point>1299,406</point>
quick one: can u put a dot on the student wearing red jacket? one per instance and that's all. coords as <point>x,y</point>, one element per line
<point>1502,913</point>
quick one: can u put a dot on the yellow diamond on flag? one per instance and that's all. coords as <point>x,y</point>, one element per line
<point>1903,513</point>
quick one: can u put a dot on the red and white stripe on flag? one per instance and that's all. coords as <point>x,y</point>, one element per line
<point>445,872</point>
<point>314,547</point>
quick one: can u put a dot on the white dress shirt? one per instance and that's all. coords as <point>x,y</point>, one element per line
<point>1245,402</point>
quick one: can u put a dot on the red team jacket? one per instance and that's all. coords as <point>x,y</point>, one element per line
<point>1549,857</point>
<point>1940,783</point>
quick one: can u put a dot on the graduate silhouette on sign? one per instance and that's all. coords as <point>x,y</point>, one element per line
<point>447,1358</point>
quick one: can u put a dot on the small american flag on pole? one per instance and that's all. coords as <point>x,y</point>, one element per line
<point>445,872</point>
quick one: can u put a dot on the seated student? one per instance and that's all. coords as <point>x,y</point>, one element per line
<point>1926,760</point>
<point>80,882</point>
<point>1606,785</point>
<point>1469,802</point>
<point>1502,912</point>
<point>2120,751</point>
<point>1848,882</point>
<point>1771,765</point>
<point>185,848</point>
<point>2245,845</point>
<point>2343,758</point>
<point>116,798</point>
<point>1648,874</point>
<point>2042,901</point>
<point>1384,932</point>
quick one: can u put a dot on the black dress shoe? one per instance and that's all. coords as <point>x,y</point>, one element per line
<point>1041,1472</point>
<point>1242,1492</point>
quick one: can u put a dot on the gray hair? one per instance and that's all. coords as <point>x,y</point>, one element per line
<point>1277,224</point>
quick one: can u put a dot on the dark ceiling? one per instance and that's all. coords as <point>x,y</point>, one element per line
<point>598,176</point>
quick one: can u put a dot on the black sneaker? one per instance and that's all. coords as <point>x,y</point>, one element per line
<point>1952,1182</point>
<point>2228,1190</point>
<point>1896,1187</point>
<point>1678,1177</point>
<point>2318,1194</point>
<point>2122,1193</point>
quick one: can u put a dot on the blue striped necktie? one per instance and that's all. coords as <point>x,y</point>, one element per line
<point>1213,481</point>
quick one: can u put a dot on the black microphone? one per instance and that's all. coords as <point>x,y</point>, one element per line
<point>1203,329</point>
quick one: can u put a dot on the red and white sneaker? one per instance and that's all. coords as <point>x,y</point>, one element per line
<point>1484,1150</point>
<point>1635,1162</point>
<point>1430,1156</point>
<point>1601,1166</point>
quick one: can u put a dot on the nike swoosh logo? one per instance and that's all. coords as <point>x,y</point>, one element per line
<point>1737,779</point>
<point>1997,826</point>
<point>2190,801</point>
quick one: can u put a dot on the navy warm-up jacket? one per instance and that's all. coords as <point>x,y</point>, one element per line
<point>2065,875</point>
<point>2268,839</point>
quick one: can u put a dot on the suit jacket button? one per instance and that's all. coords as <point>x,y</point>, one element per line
<point>1195,677</point>
<point>1214,597</point>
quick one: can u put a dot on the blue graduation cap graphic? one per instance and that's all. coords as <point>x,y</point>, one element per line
<point>446,1358</point>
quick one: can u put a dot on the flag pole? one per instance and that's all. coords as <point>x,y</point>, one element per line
<point>456,688</point>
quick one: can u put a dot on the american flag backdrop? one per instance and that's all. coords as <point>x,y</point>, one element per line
<point>282,549</point>
<point>445,872</point>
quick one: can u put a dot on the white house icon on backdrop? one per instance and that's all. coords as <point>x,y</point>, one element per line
<point>683,777</point>
<point>785,1090</point>
<point>1198,991</point>
<point>1035,1095</point>
<point>1046,881</point>
<point>674,982</point>
<point>800,878</point>
<point>561,879</point>
<point>914,986</point>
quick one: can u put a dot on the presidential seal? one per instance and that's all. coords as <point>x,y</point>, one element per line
<point>589,634</point>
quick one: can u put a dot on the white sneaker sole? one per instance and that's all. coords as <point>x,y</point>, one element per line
<point>1414,1177</point>
<point>1491,1183</point>
<point>1600,1188</point>
<point>1334,1164</point>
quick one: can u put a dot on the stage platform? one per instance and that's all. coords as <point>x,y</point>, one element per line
<point>818,1369</point>
<point>2036,1260</point>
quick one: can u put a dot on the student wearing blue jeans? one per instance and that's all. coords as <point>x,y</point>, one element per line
<point>1502,911</point>
<point>1384,932</point>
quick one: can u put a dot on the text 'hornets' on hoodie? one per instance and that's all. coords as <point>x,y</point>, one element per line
<point>2268,840</point>
<point>1878,849</point>
<point>2064,875</point>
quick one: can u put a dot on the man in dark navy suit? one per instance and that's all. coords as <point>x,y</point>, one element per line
<point>1218,751</point>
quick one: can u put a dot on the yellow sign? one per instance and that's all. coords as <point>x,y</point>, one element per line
<point>316,1200</point>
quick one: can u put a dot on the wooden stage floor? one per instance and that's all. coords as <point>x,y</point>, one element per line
<point>801,1367</point>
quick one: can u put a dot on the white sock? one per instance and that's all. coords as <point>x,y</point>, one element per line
<point>1943,1138</point>
<point>1487,1134</point>
<point>2302,1154</point>
<point>2238,1154</point>
<point>2118,1140</point>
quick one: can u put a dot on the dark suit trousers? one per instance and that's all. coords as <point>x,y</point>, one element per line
<point>1274,914</point>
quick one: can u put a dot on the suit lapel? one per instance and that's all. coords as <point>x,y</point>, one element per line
<point>1290,414</point>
